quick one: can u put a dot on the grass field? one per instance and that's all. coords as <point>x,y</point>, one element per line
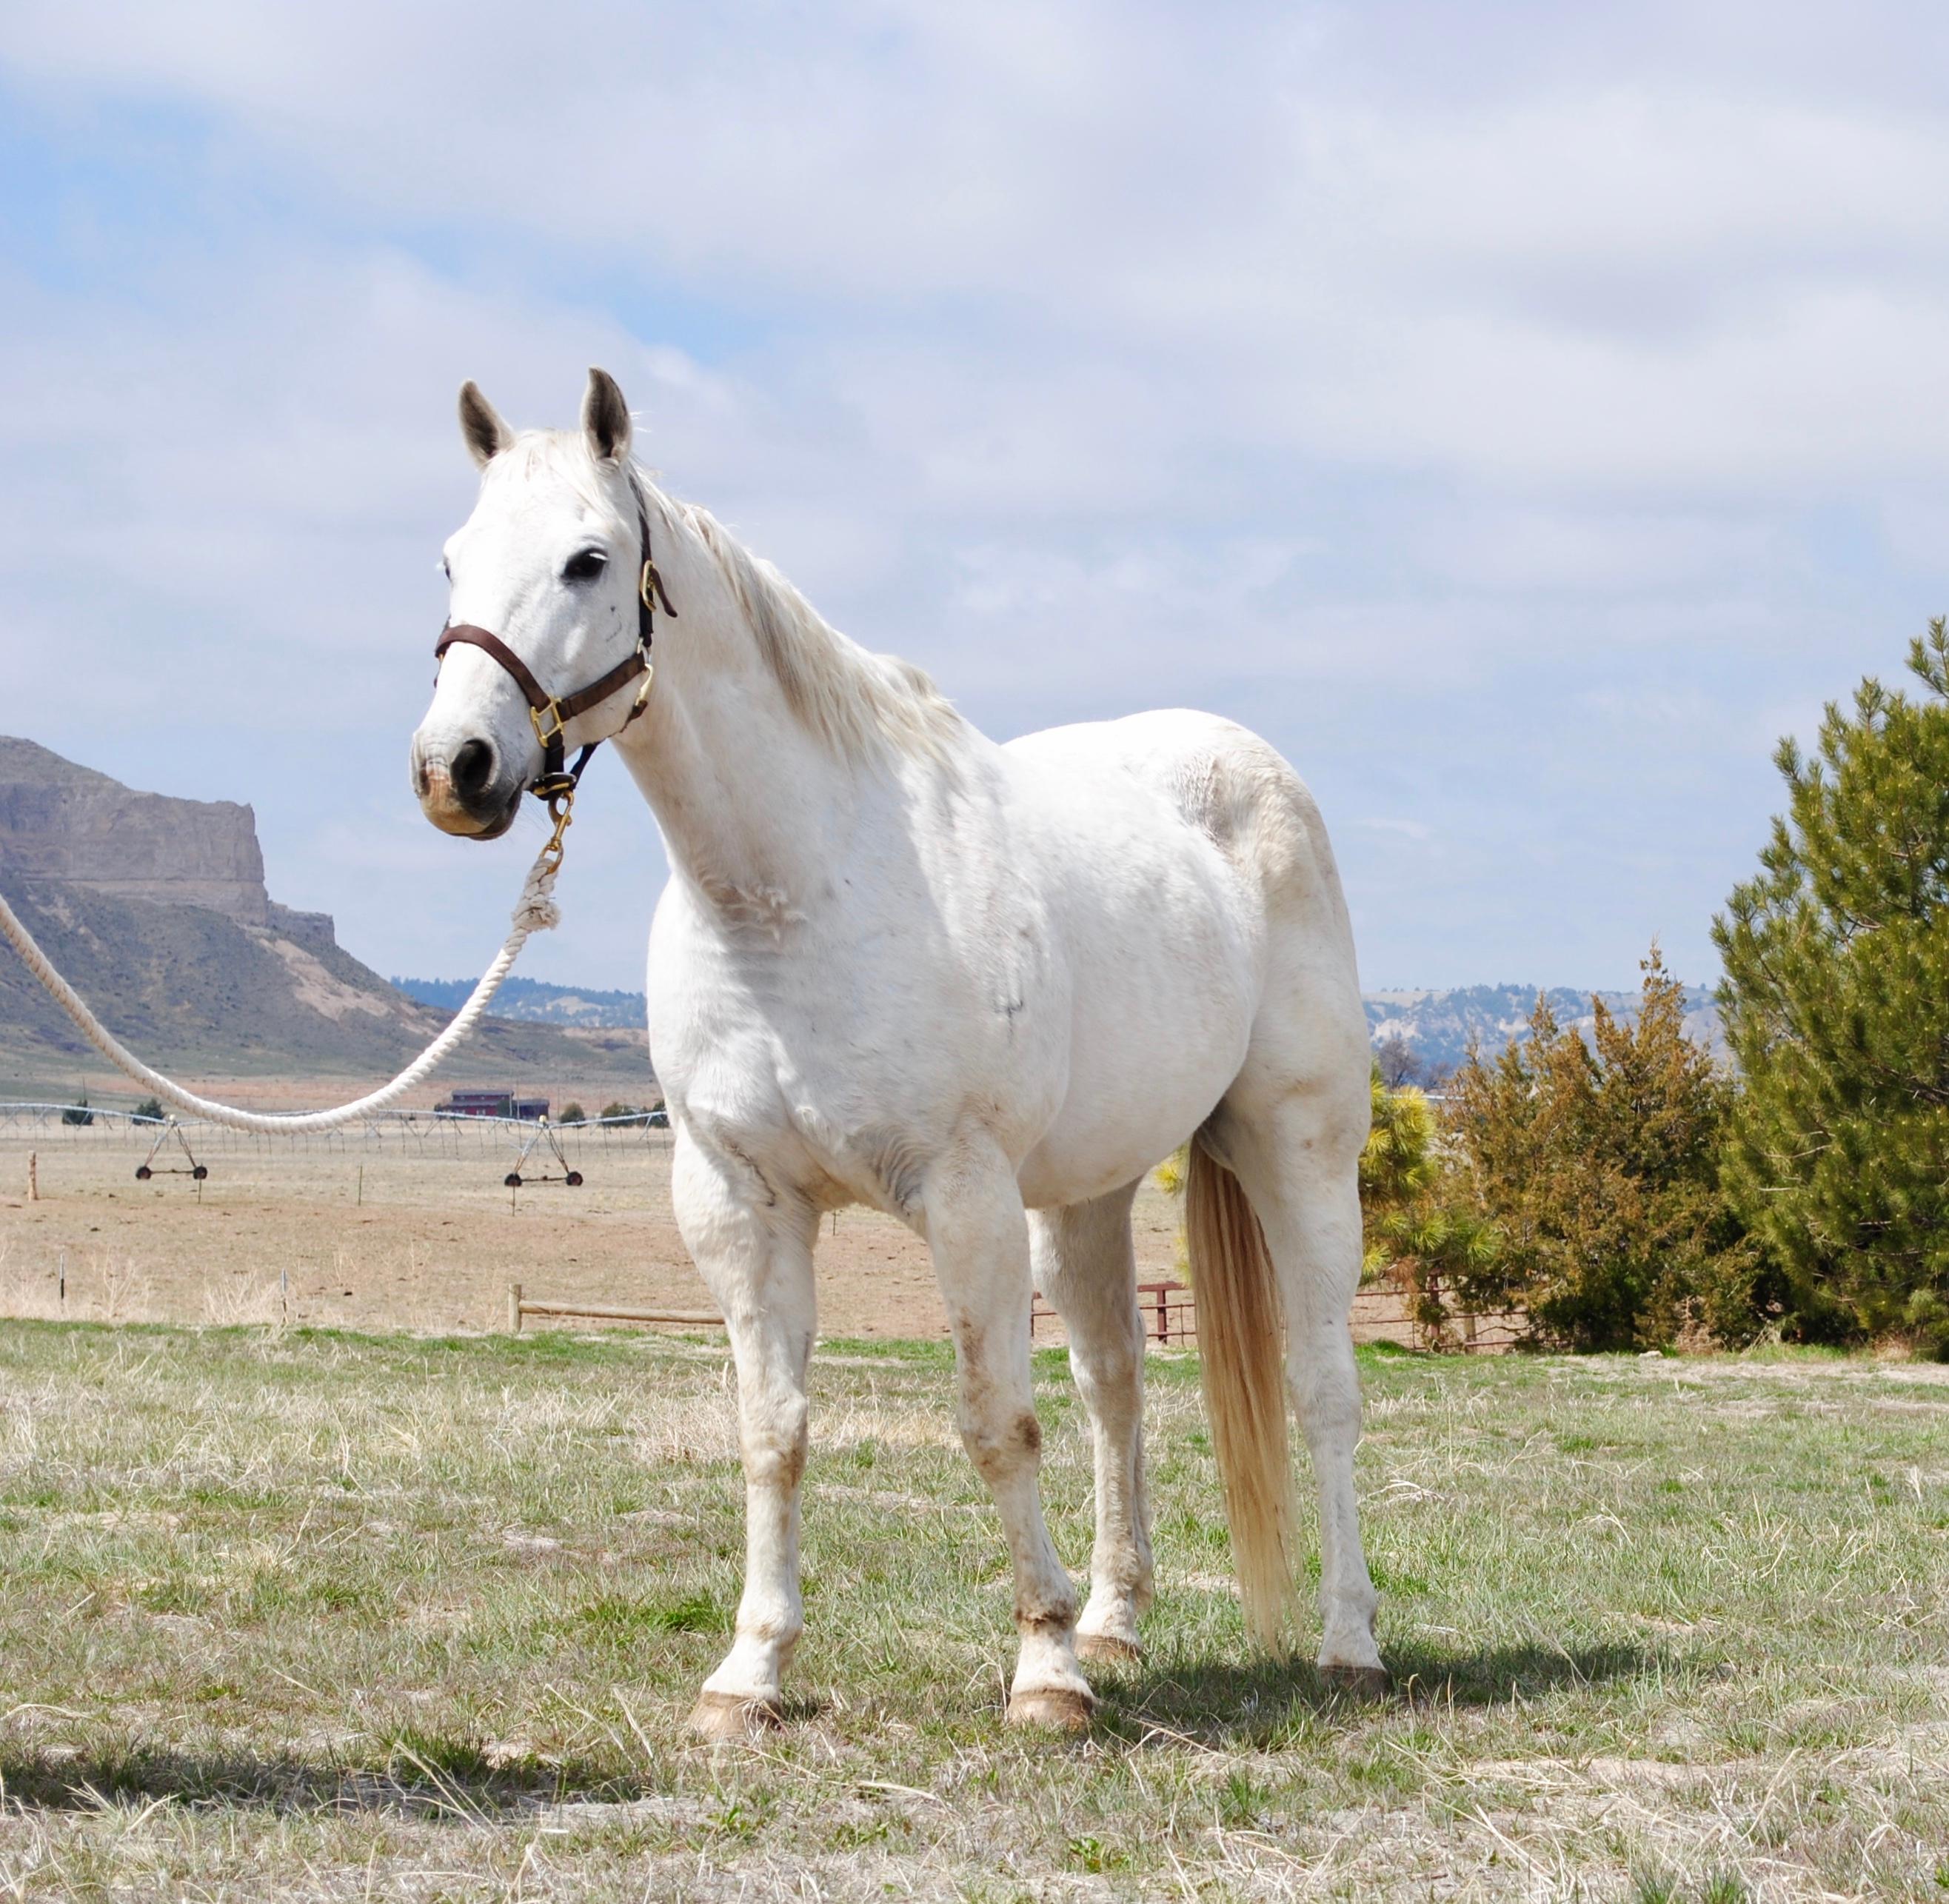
<point>319,1615</point>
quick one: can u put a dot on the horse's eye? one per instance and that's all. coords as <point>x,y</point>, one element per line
<point>584,565</point>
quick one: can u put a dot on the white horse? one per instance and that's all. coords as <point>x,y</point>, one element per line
<point>982,988</point>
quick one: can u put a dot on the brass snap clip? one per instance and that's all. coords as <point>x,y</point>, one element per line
<point>561,810</point>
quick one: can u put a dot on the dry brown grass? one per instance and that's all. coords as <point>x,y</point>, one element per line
<point>298,1616</point>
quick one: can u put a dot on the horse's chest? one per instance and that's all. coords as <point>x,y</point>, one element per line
<point>879,1032</point>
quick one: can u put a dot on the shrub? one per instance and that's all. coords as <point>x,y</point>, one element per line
<point>78,1113</point>
<point>651,1115</point>
<point>1597,1166</point>
<point>150,1111</point>
<point>573,1114</point>
<point>1419,1232</point>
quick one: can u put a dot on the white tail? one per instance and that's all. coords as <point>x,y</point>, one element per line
<point>1242,1349</point>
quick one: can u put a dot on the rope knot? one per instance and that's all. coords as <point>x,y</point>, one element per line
<point>536,910</point>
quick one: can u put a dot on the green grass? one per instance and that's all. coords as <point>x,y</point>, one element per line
<point>311,1615</point>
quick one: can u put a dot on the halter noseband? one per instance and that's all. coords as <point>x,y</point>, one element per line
<point>550,715</point>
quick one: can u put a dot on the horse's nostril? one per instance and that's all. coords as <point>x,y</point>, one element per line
<point>471,768</point>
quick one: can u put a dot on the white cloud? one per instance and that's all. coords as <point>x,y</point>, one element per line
<point>1389,382</point>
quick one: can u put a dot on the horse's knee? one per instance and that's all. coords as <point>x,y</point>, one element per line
<point>999,1446</point>
<point>773,1441</point>
<point>1110,1366</point>
<point>1323,1377</point>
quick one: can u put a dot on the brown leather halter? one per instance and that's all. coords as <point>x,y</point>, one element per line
<point>550,715</point>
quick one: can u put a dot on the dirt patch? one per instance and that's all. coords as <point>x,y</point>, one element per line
<point>378,1233</point>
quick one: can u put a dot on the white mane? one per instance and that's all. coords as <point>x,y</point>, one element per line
<point>857,702</point>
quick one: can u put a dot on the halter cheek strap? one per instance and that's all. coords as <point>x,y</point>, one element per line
<point>551,715</point>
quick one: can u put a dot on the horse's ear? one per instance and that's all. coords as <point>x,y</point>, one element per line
<point>606,418</point>
<point>482,425</point>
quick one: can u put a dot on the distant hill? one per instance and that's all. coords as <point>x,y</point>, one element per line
<point>1439,1024</point>
<point>535,1002</point>
<point>156,910</point>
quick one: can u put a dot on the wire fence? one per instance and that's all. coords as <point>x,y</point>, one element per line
<point>422,1134</point>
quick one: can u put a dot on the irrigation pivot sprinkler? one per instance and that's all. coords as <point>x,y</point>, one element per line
<point>543,1132</point>
<point>148,1168</point>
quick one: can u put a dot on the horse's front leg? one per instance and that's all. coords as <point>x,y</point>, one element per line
<point>978,1233</point>
<point>755,1258</point>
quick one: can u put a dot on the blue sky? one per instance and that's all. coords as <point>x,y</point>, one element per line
<point>1523,416</point>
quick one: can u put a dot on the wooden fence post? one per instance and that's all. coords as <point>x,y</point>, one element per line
<point>515,1307</point>
<point>33,1176</point>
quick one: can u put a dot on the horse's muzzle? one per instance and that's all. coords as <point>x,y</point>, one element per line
<point>465,789</point>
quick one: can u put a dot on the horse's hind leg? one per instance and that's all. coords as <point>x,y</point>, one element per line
<point>757,1262</point>
<point>1295,1144</point>
<point>1085,1264</point>
<point>978,1233</point>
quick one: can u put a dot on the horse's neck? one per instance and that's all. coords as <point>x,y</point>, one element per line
<point>753,808</point>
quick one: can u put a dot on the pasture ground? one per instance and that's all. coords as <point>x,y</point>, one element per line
<point>395,1231</point>
<point>307,1615</point>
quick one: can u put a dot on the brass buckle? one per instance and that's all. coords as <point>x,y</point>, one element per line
<point>546,735</point>
<point>647,584</point>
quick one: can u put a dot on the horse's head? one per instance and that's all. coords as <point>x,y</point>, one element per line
<point>547,568</point>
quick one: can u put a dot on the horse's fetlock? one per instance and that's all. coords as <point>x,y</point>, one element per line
<point>775,1626</point>
<point>1048,1615</point>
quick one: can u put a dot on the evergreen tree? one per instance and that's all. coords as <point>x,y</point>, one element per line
<point>1836,1004</point>
<point>1398,1163</point>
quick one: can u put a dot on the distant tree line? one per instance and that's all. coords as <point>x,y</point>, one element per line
<point>615,1113</point>
<point>1629,1190</point>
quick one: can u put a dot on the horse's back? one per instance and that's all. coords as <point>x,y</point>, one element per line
<point>1232,791</point>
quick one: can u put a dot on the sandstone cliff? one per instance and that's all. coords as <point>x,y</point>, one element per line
<point>156,910</point>
<point>60,821</point>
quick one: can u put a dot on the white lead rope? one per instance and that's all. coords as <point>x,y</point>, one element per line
<point>536,911</point>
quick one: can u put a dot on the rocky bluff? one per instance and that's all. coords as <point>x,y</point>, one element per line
<point>156,910</point>
<point>68,823</point>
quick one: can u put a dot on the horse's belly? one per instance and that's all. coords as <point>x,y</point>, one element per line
<point>1141,1080</point>
<point>1101,1140</point>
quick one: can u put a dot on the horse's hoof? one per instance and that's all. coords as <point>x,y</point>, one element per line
<point>1106,1649</point>
<point>1364,1683</point>
<point>1055,1709</point>
<point>718,1716</point>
